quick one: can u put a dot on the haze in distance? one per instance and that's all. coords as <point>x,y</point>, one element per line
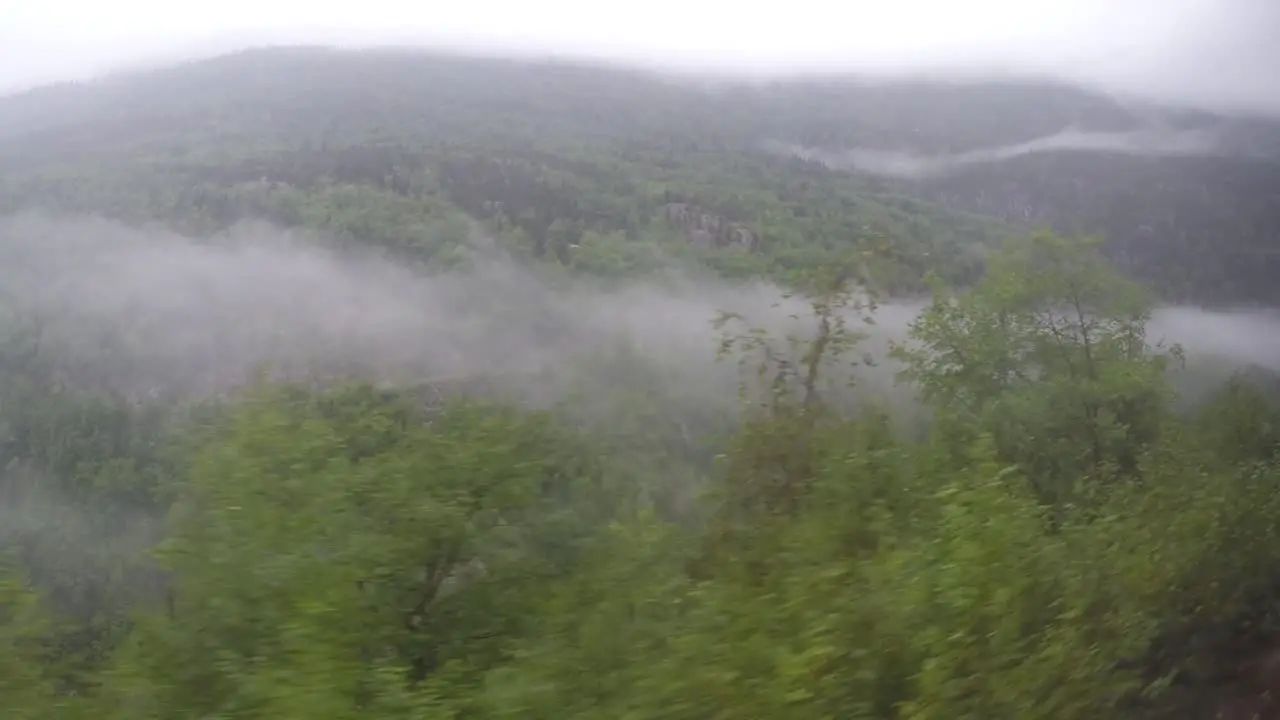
<point>1212,54</point>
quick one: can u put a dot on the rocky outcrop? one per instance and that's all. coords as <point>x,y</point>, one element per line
<point>707,229</point>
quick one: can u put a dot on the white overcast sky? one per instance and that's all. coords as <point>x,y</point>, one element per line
<point>1204,52</point>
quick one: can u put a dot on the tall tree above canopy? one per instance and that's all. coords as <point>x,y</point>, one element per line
<point>1049,354</point>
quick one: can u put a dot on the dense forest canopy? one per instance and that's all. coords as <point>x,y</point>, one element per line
<point>601,151</point>
<point>386,384</point>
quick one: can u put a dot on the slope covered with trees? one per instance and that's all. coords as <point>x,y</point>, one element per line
<point>556,155</point>
<point>1059,538</point>
<point>1061,544</point>
<point>367,146</point>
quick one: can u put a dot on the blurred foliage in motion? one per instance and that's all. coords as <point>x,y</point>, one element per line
<point>1061,544</point>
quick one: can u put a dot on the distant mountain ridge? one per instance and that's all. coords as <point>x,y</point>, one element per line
<point>1202,226</point>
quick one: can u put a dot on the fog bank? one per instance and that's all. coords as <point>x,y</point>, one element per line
<point>890,163</point>
<point>1206,53</point>
<point>149,312</point>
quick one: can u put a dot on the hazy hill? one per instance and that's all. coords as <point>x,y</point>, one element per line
<point>550,497</point>
<point>557,150</point>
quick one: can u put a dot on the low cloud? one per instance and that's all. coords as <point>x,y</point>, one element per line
<point>1208,53</point>
<point>150,312</point>
<point>889,163</point>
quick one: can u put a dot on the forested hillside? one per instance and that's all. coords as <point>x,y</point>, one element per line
<point>546,391</point>
<point>560,155</point>
<point>1201,229</point>
<point>365,146</point>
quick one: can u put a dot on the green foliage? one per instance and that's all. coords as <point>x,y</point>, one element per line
<point>1048,353</point>
<point>27,690</point>
<point>1061,545</point>
<point>1243,420</point>
<point>564,186</point>
<point>330,551</point>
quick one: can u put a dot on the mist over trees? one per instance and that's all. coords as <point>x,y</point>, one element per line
<point>384,386</point>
